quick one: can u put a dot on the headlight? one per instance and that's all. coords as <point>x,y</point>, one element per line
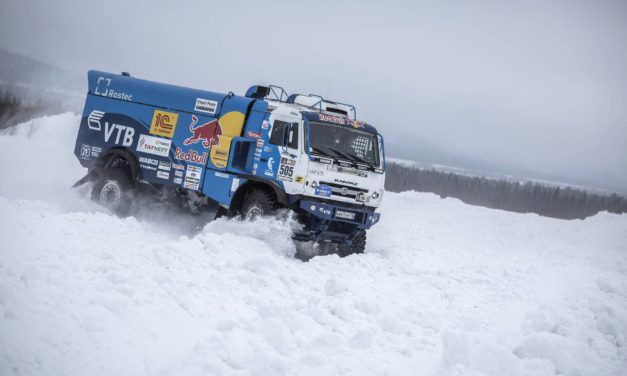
<point>313,184</point>
<point>375,195</point>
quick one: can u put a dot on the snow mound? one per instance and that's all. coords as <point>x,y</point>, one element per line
<point>443,289</point>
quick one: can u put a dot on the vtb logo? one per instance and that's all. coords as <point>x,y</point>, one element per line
<point>209,133</point>
<point>164,123</point>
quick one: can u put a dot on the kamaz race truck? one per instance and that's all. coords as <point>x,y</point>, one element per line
<point>243,155</point>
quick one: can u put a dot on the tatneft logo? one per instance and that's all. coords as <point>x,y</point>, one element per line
<point>153,145</point>
<point>103,89</point>
<point>124,135</point>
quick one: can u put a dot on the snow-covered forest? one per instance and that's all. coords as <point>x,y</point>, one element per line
<point>552,200</point>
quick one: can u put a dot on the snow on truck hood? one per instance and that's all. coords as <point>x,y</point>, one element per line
<point>444,288</point>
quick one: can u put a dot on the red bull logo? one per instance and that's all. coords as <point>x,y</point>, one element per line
<point>208,133</point>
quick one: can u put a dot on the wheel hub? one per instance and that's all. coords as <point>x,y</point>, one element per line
<point>110,194</point>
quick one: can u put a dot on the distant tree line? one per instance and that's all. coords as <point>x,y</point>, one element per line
<point>522,197</point>
<point>15,110</point>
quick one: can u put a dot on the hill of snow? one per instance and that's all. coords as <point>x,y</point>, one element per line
<point>444,288</point>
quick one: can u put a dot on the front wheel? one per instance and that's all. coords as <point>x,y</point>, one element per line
<point>113,191</point>
<point>358,245</point>
<point>258,203</point>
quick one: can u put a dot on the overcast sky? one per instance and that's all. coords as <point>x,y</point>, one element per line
<point>537,88</point>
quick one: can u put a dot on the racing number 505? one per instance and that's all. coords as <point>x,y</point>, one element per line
<point>286,170</point>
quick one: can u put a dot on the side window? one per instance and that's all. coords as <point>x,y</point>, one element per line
<point>278,133</point>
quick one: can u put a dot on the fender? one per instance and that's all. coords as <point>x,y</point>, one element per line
<point>278,190</point>
<point>109,157</point>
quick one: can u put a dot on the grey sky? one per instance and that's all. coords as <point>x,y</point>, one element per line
<point>538,87</point>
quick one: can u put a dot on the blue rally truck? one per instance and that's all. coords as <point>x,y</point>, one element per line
<point>242,155</point>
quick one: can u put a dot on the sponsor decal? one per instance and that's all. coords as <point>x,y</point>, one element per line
<point>268,173</point>
<point>124,135</point>
<point>300,179</point>
<point>85,151</point>
<point>316,172</point>
<point>163,123</point>
<point>271,164</point>
<point>355,123</point>
<point>153,145</point>
<point>95,151</point>
<point>148,161</point>
<point>192,177</point>
<point>222,175</point>
<point>93,120</point>
<point>323,190</point>
<point>265,125</point>
<point>258,150</point>
<point>332,119</point>
<point>208,133</point>
<point>234,185</point>
<point>268,149</point>
<point>286,169</point>
<point>191,156</point>
<point>252,134</point>
<point>260,142</point>
<point>177,166</point>
<point>206,105</point>
<point>166,166</point>
<point>255,165</point>
<point>178,180</point>
<point>163,175</point>
<point>178,173</point>
<point>102,89</point>
<point>219,157</point>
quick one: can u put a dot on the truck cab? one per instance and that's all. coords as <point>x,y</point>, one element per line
<point>247,155</point>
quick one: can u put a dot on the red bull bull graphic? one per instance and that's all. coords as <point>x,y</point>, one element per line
<point>208,133</point>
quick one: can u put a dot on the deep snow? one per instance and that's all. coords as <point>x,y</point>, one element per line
<point>444,288</point>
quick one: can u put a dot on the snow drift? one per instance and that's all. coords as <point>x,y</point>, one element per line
<point>444,288</point>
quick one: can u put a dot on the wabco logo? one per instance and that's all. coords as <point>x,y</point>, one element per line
<point>163,123</point>
<point>124,135</point>
<point>102,89</point>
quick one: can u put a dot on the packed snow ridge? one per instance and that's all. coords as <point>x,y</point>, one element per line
<point>443,288</point>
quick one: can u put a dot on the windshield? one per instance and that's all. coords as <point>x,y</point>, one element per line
<point>344,143</point>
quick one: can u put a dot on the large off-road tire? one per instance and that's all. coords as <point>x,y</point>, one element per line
<point>357,246</point>
<point>259,203</point>
<point>114,190</point>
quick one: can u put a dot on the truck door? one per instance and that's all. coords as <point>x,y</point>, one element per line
<point>287,134</point>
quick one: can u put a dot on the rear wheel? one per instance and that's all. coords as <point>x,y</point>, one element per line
<point>113,190</point>
<point>259,203</point>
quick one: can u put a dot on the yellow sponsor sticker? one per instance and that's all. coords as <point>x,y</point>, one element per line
<point>164,123</point>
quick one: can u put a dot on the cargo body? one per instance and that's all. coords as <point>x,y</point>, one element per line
<point>307,154</point>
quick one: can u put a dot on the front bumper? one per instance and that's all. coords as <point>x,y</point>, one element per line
<point>333,223</point>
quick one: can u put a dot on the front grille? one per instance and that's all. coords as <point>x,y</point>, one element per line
<point>345,190</point>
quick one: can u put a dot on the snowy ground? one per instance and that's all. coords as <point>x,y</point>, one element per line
<point>444,288</point>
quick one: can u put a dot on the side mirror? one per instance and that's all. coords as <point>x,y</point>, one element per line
<point>289,133</point>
